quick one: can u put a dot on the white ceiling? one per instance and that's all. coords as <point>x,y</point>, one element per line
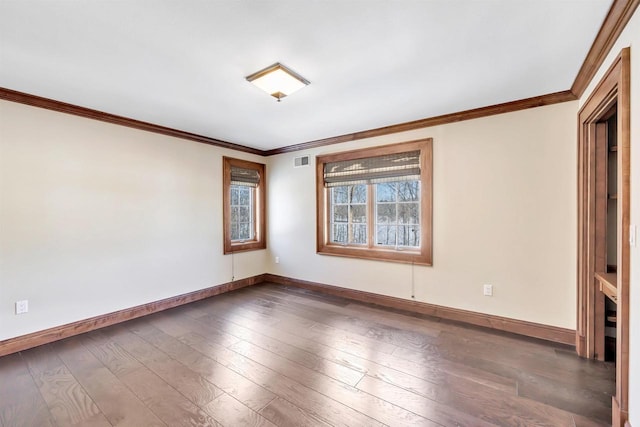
<point>371,63</point>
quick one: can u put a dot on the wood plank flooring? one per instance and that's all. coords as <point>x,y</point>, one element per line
<point>276,356</point>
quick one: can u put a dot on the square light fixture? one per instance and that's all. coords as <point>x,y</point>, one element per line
<point>278,81</point>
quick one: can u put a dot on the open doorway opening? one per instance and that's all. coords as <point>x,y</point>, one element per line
<point>603,228</point>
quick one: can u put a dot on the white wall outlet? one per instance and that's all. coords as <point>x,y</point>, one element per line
<point>632,236</point>
<point>487,290</point>
<point>22,306</point>
<point>277,260</point>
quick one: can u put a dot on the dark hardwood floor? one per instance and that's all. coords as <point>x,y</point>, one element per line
<point>270,355</point>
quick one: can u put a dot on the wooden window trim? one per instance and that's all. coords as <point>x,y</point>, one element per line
<point>422,256</point>
<point>259,241</point>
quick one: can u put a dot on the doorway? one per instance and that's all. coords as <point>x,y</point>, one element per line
<point>603,228</point>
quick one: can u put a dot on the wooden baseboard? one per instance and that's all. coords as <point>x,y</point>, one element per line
<point>549,333</point>
<point>530,329</point>
<point>46,336</point>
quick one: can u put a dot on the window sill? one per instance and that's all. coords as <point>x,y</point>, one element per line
<point>245,247</point>
<point>379,254</point>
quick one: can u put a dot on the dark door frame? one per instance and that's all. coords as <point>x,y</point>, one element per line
<point>612,90</point>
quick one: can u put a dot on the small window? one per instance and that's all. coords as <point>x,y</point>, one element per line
<point>243,201</point>
<point>376,203</point>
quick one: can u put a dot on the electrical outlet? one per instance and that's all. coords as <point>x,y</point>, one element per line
<point>22,306</point>
<point>277,260</point>
<point>487,290</point>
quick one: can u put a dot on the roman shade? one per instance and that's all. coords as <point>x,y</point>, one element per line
<point>245,177</point>
<point>372,170</point>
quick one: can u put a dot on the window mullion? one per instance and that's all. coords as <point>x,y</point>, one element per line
<point>350,225</point>
<point>329,214</point>
<point>370,215</point>
<point>397,215</point>
<point>252,214</point>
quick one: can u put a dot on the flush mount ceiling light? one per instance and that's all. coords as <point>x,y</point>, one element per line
<point>278,81</point>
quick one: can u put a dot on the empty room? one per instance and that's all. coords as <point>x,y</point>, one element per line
<point>319,213</point>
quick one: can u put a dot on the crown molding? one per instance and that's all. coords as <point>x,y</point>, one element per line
<point>616,20</point>
<point>50,104</point>
<point>507,107</point>
<point>614,23</point>
<point>63,107</point>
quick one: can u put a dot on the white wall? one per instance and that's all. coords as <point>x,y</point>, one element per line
<point>96,217</point>
<point>504,214</point>
<point>630,37</point>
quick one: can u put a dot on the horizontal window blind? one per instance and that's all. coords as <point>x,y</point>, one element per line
<point>373,170</point>
<point>245,177</point>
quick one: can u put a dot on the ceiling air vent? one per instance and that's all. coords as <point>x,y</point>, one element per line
<point>301,161</point>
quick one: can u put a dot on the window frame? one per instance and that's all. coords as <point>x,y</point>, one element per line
<point>421,255</point>
<point>259,210</point>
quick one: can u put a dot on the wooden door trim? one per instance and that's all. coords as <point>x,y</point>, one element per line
<point>614,88</point>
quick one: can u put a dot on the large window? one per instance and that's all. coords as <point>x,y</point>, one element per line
<point>243,201</point>
<point>376,203</point>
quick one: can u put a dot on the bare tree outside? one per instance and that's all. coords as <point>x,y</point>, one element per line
<point>375,203</point>
<point>349,214</point>
<point>398,213</point>
<point>241,212</point>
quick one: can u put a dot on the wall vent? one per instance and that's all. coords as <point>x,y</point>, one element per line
<point>301,161</point>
